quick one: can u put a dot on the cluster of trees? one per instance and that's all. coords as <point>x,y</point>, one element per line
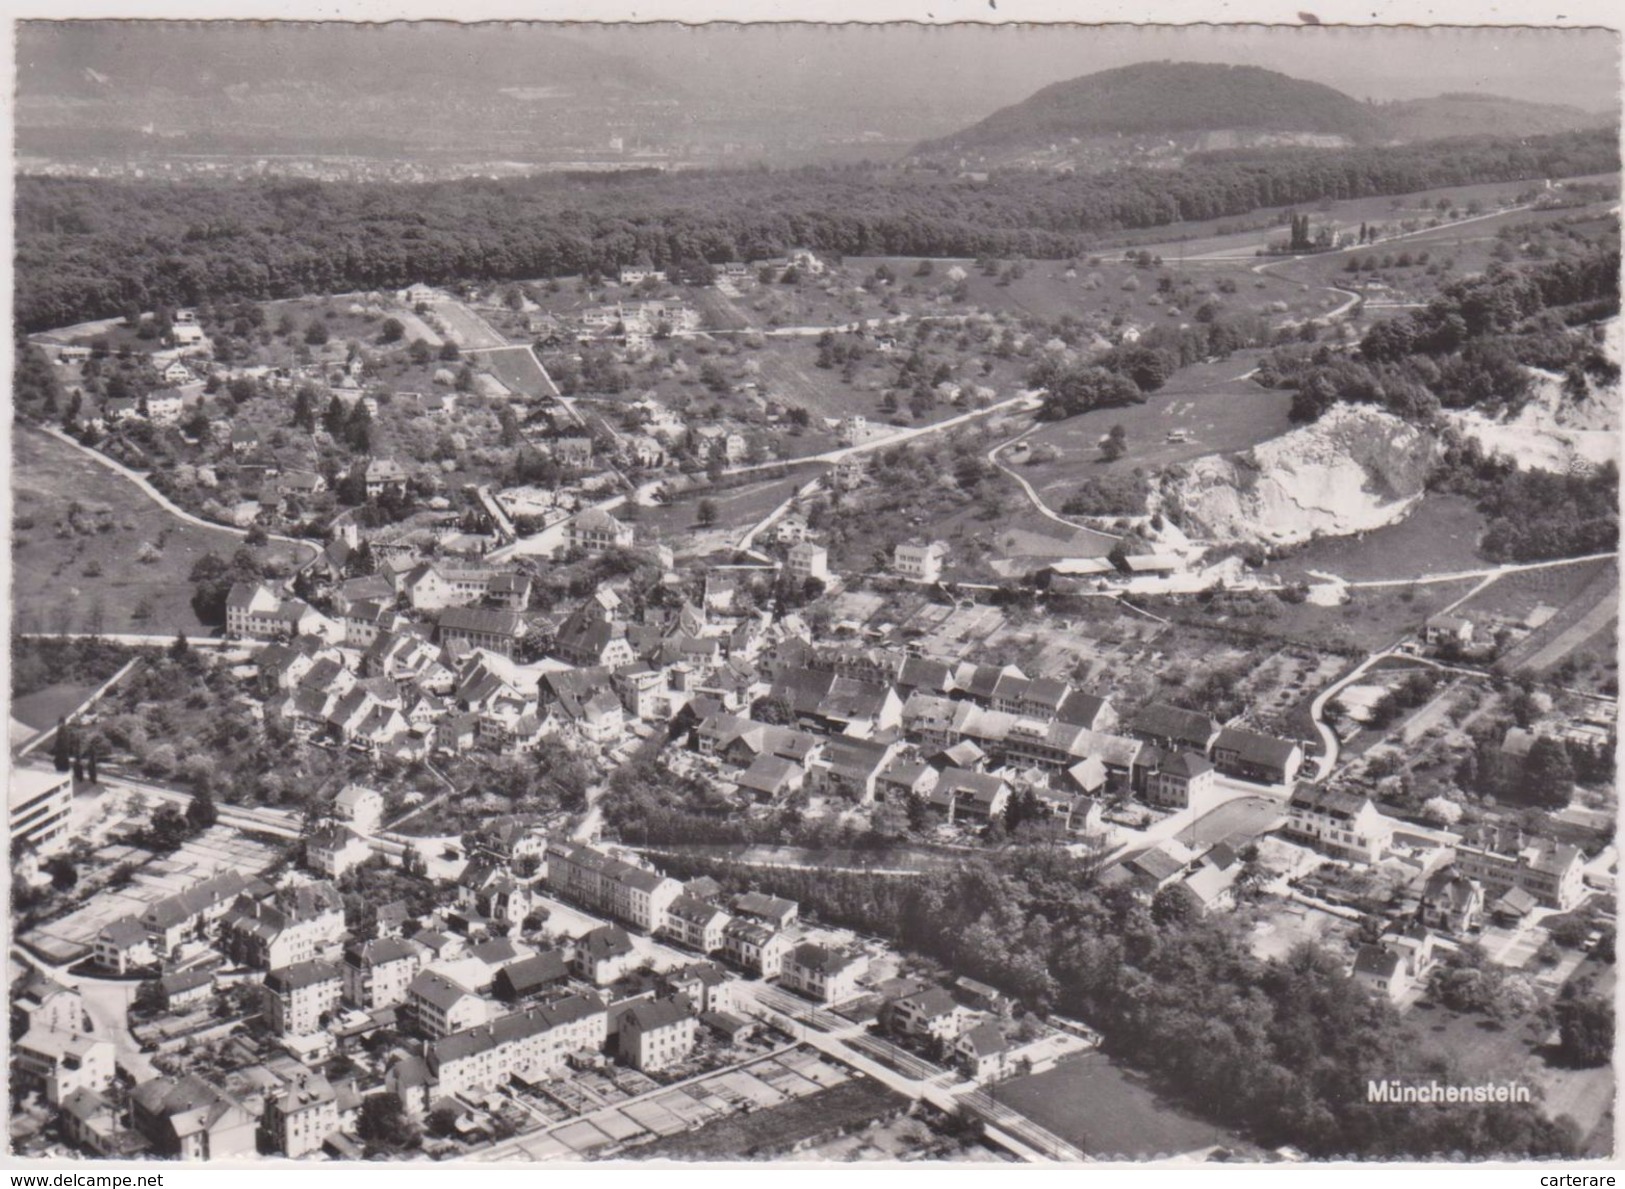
<point>1282,1048</point>
<point>89,248</point>
<point>212,578</point>
<point>1533,515</point>
<point>1412,691</point>
<point>1118,493</point>
<point>1468,347</point>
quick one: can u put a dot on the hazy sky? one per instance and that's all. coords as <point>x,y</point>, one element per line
<point>992,66</point>
<point>952,74</point>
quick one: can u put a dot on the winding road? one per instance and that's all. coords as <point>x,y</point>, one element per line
<point>165,502</point>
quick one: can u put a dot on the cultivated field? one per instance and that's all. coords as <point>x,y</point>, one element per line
<point>1584,629</point>
<point>94,581</point>
<point>844,1107</point>
<point>517,368</point>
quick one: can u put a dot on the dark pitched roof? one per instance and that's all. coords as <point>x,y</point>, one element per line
<point>1162,721</point>
<point>286,979</point>
<point>1254,748</point>
<point>530,975</point>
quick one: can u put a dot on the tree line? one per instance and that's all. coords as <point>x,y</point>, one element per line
<point>92,248</point>
<point>1281,1049</point>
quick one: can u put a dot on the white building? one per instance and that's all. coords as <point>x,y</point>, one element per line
<point>920,560</point>
<point>40,802</point>
<point>807,560</point>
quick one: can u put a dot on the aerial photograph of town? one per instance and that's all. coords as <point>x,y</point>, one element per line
<point>981,595</point>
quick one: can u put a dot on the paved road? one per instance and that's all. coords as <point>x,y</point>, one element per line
<point>107,1003</point>
<point>1032,494</point>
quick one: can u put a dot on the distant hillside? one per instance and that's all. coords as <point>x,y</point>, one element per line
<point>1160,98</point>
<point>1481,115</point>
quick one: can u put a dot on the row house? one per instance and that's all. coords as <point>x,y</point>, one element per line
<point>256,611</point>
<point>1341,824</point>
<point>535,1042</point>
<point>297,1000</point>
<point>823,973</point>
<point>1504,859</point>
<point>497,630</point>
<point>692,922</point>
<point>633,894</point>
<point>190,914</point>
<point>298,924</point>
<point>377,973</point>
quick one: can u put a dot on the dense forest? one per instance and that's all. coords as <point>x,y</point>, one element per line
<point>88,248</point>
<point>1281,1050</point>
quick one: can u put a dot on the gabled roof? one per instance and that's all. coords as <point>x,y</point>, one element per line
<point>287,979</point>
<point>530,975</point>
<point>1171,722</point>
<point>651,1014</point>
<point>437,990</point>
<point>811,956</point>
<point>984,1040</point>
<point>1253,748</point>
<point>932,1002</point>
<point>606,941</point>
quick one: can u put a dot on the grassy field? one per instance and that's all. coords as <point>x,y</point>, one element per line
<point>1221,410</point>
<point>517,368</point>
<point>1439,537</point>
<point>42,708</point>
<point>65,583</point>
<point>1093,285</point>
<point>852,1104</point>
<point>1514,596</point>
<point>737,508</point>
<point>1105,1110</point>
<point>1373,618</point>
<point>1486,1051</point>
<point>1452,252</point>
<point>1212,236</point>
<point>1583,631</point>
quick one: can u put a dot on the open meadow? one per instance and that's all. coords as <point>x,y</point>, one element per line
<point>1107,1111</point>
<point>81,571</point>
<point>1207,408</point>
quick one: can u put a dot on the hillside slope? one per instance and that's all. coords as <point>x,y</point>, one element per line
<point>1481,115</point>
<point>1168,97</point>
